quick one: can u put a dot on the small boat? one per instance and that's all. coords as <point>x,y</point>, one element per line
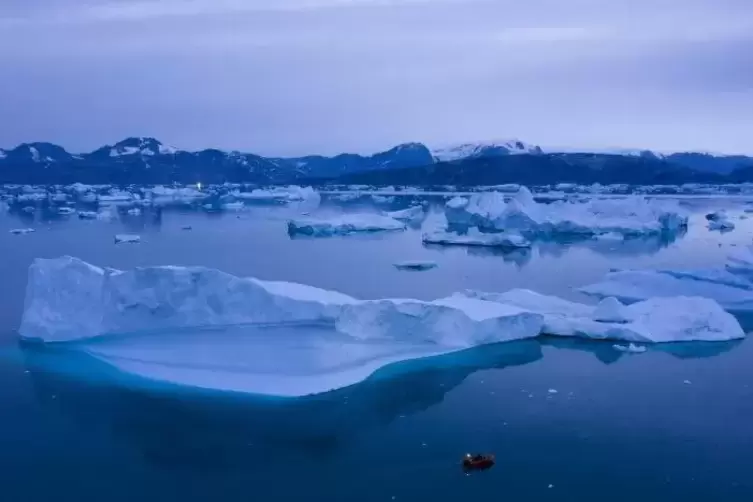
<point>478,462</point>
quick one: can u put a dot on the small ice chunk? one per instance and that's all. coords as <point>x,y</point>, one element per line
<point>630,348</point>
<point>87,215</point>
<point>411,214</point>
<point>66,210</point>
<point>553,391</point>
<point>415,265</point>
<point>231,206</point>
<point>127,238</point>
<point>721,224</point>
<point>687,382</point>
<point>134,211</point>
<point>21,231</point>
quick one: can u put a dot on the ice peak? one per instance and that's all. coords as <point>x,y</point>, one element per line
<point>492,148</point>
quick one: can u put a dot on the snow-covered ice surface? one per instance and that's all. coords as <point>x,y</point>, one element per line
<point>344,224</point>
<point>731,287</point>
<point>671,319</point>
<point>201,327</point>
<point>522,214</point>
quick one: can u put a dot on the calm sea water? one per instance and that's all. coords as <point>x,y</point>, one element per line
<point>617,428</point>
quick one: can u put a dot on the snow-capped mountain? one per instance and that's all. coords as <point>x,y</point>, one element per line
<point>38,153</point>
<point>147,160</point>
<point>484,149</point>
<point>148,147</point>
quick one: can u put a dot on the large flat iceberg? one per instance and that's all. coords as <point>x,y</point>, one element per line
<point>631,215</point>
<point>202,327</point>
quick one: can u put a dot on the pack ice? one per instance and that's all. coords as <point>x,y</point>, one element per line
<point>627,216</point>
<point>205,328</point>
<point>731,286</point>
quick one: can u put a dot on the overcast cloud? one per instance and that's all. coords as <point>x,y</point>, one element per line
<point>287,77</point>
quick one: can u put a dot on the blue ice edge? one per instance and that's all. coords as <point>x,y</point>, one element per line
<point>68,360</point>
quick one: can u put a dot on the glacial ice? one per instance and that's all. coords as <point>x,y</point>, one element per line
<point>202,327</point>
<point>731,287</point>
<point>412,214</point>
<point>21,231</point>
<point>656,320</point>
<point>127,238</point>
<point>343,225</point>
<point>474,237</point>
<point>629,216</point>
<point>292,193</point>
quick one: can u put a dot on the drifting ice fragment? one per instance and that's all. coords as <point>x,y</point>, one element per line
<point>474,237</point>
<point>344,224</point>
<point>127,238</point>
<point>415,265</point>
<point>21,231</point>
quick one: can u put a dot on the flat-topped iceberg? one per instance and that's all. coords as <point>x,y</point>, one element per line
<point>202,327</point>
<point>731,287</point>
<point>474,237</point>
<point>344,224</point>
<point>631,215</point>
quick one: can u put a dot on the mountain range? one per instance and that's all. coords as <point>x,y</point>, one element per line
<point>139,160</point>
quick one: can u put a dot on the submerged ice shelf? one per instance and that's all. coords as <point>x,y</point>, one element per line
<point>201,327</point>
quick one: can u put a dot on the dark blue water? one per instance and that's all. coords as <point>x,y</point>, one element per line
<point>619,427</point>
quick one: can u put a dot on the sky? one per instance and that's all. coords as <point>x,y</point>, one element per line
<point>293,77</point>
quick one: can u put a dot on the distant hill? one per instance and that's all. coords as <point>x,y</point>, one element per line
<point>140,160</point>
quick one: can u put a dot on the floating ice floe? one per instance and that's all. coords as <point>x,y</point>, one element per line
<point>382,199</point>
<point>627,216</point>
<point>343,225</point>
<point>163,196</point>
<point>415,265</point>
<point>65,211</point>
<point>88,215</point>
<point>731,287</point>
<point>412,214</point>
<point>474,237</point>
<point>205,328</point>
<point>134,211</point>
<point>291,193</point>
<point>127,238</point>
<point>669,319</point>
<point>21,231</point>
